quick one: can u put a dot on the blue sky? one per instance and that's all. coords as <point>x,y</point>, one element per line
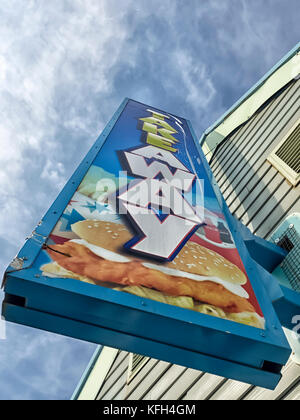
<point>65,66</point>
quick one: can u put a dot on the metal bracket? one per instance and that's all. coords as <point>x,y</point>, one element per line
<point>265,253</point>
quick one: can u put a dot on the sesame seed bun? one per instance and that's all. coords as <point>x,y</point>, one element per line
<point>196,259</point>
<point>107,235</point>
<point>193,258</point>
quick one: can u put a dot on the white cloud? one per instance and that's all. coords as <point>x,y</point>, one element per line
<point>53,55</point>
<point>40,364</point>
<point>65,65</point>
<point>197,85</point>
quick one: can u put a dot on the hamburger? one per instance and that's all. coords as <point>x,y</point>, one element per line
<point>198,278</point>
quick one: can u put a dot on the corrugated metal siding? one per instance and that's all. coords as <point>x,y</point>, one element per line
<point>116,378</point>
<point>256,193</point>
<point>164,381</point>
<point>261,198</point>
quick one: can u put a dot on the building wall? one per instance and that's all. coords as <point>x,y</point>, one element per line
<point>261,198</point>
<point>256,193</point>
<point>159,380</point>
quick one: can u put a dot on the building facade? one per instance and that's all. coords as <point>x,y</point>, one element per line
<point>254,153</point>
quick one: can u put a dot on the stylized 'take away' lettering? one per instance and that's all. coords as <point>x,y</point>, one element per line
<point>165,180</point>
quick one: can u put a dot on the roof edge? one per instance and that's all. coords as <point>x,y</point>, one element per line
<point>86,373</point>
<point>219,135</point>
<point>95,374</point>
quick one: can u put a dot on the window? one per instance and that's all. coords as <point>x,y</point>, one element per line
<point>136,362</point>
<point>289,239</point>
<point>286,156</point>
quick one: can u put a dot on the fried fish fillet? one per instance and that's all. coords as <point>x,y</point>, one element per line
<point>80,260</point>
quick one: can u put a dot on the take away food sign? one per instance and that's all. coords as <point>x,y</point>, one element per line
<point>144,224</point>
<point>140,206</point>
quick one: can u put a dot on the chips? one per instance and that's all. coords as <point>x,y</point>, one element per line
<point>181,301</point>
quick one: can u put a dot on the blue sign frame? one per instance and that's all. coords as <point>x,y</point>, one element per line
<point>105,316</point>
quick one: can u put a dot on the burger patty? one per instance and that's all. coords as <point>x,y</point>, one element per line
<point>80,260</point>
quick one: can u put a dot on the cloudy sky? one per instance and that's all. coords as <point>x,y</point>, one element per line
<point>65,66</point>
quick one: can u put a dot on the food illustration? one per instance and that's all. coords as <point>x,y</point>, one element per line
<point>140,203</point>
<point>198,279</point>
<point>98,184</point>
